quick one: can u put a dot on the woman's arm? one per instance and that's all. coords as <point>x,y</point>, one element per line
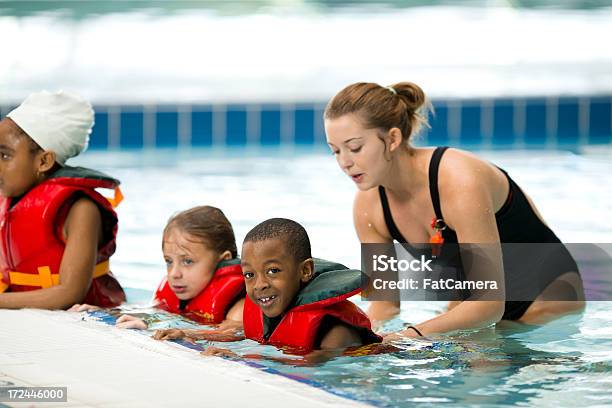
<point>468,209</point>
<point>83,228</point>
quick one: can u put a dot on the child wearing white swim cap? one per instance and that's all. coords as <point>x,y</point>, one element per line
<point>58,122</point>
<point>57,232</point>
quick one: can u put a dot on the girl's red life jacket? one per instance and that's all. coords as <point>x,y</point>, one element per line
<point>325,296</point>
<point>213,302</point>
<point>31,237</point>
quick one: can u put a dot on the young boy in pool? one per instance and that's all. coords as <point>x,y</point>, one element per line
<point>57,232</point>
<point>293,303</point>
<point>204,279</point>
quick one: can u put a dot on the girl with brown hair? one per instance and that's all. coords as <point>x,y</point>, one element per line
<point>204,279</point>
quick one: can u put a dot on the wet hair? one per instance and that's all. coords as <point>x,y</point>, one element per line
<point>402,105</point>
<point>208,224</point>
<point>288,231</point>
<point>20,133</point>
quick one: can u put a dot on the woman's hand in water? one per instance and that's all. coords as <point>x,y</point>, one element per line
<point>78,307</point>
<point>130,322</point>
<point>391,337</point>
<point>219,352</point>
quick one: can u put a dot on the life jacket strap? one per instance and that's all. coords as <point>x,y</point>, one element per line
<point>117,198</point>
<point>45,279</point>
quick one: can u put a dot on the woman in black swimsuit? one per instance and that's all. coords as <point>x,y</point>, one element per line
<point>403,189</point>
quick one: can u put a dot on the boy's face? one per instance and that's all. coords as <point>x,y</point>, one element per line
<point>18,169</point>
<point>190,263</point>
<point>272,275</point>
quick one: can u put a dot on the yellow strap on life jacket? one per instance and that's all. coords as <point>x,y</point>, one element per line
<point>45,279</point>
<point>3,286</point>
<point>114,202</point>
<point>101,269</point>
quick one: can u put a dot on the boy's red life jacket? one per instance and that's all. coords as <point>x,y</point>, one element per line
<point>31,237</point>
<point>213,302</point>
<point>325,296</point>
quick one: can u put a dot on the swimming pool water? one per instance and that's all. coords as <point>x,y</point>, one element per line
<point>565,363</point>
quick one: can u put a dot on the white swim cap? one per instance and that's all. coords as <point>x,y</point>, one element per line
<point>60,122</point>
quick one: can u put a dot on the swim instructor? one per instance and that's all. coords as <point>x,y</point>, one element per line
<point>422,195</point>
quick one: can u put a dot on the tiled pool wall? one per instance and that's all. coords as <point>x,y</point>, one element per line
<point>511,123</point>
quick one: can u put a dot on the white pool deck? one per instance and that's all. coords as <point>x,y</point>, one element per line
<point>102,366</point>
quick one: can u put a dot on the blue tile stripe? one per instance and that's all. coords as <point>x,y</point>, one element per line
<point>544,122</point>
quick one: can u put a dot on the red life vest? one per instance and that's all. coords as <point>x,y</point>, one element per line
<point>213,302</point>
<point>299,326</point>
<point>31,237</point>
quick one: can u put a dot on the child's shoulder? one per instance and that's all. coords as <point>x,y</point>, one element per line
<point>332,282</point>
<point>340,335</point>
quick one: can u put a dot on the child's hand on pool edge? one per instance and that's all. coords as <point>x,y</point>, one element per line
<point>130,322</point>
<point>194,335</point>
<point>78,307</point>
<point>177,334</point>
<point>169,334</point>
<point>219,352</point>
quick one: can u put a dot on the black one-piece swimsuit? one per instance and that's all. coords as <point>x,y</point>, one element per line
<point>516,223</point>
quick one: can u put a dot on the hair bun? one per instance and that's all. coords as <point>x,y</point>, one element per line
<point>411,93</point>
